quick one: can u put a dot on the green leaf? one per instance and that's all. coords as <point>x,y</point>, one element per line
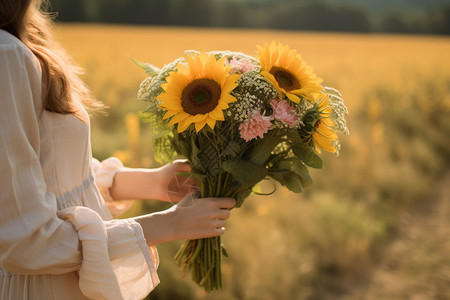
<point>240,196</point>
<point>148,68</point>
<point>224,251</point>
<point>307,155</point>
<point>231,150</point>
<point>207,156</point>
<point>262,149</point>
<point>300,169</point>
<point>245,172</point>
<point>293,182</point>
<point>292,173</point>
<point>290,180</point>
<point>194,155</point>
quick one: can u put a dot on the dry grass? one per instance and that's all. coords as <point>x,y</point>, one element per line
<point>306,246</point>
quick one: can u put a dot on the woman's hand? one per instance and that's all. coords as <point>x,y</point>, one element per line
<point>201,217</point>
<point>190,219</point>
<point>161,184</point>
<point>173,187</point>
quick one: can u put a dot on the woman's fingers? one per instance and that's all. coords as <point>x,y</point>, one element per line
<point>219,231</point>
<point>203,217</point>
<point>226,203</point>
<point>220,224</point>
<point>223,214</point>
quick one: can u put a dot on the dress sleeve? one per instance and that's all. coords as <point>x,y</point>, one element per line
<point>37,239</point>
<point>104,173</point>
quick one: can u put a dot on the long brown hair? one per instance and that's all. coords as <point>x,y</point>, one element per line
<point>28,21</point>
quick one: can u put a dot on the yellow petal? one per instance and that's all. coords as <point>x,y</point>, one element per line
<point>183,125</point>
<point>231,83</point>
<point>171,103</point>
<point>270,78</point>
<point>169,114</point>
<point>293,98</point>
<point>327,121</point>
<point>227,98</point>
<point>211,123</point>
<point>164,86</point>
<point>179,80</point>
<point>323,142</point>
<point>168,97</point>
<point>178,118</point>
<point>182,68</point>
<point>217,114</point>
<point>222,105</point>
<point>326,132</point>
<point>199,118</point>
<point>200,125</point>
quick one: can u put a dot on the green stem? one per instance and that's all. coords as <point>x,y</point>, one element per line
<point>225,184</point>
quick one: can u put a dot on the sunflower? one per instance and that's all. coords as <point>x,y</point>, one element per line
<point>288,72</point>
<point>197,93</point>
<point>323,135</point>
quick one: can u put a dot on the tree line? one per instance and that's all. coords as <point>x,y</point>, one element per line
<point>274,14</point>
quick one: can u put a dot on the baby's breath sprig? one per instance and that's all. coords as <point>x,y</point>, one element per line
<point>252,93</point>
<point>238,55</point>
<point>339,110</point>
<point>151,87</point>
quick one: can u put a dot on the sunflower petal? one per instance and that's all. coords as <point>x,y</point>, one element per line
<point>293,97</point>
<point>200,125</point>
<point>324,143</point>
<point>199,118</point>
<point>217,114</point>
<point>327,121</point>
<point>184,124</point>
<point>168,114</point>
<point>270,78</point>
<point>326,132</point>
<point>178,118</point>
<point>182,68</point>
<point>211,123</point>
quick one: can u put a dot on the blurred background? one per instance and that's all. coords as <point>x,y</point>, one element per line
<point>376,222</point>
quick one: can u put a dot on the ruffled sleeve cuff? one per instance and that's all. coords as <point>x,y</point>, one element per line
<point>117,263</point>
<point>104,173</point>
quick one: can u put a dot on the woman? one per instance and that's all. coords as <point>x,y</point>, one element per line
<point>57,237</point>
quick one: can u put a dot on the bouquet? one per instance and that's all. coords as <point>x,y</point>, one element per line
<point>238,119</point>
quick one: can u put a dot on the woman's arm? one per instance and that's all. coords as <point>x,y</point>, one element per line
<point>161,184</point>
<point>190,219</point>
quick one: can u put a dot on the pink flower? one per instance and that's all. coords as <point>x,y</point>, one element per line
<point>282,111</point>
<point>256,125</point>
<point>240,66</point>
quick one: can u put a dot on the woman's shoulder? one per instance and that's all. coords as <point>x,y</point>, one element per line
<point>9,43</point>
<point>13,49</point>
<point>9,40</point>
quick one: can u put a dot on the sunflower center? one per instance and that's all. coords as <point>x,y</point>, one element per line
<point>285,79</point>
<point>200,96</point>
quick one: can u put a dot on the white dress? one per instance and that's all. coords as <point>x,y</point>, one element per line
<point>57,237</point>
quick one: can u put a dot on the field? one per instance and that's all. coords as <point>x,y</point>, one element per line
<point>376,222</point>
